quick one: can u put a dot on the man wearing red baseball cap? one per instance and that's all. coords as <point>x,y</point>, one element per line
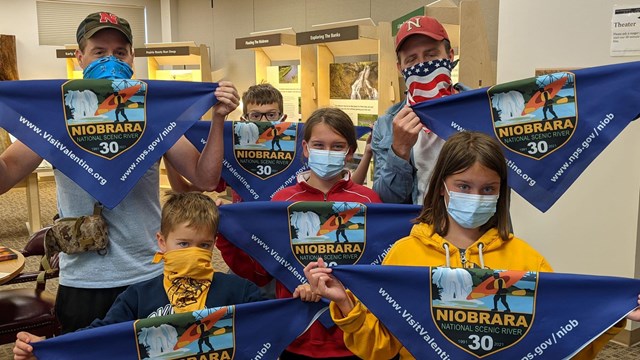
<point>404,151</point>
<point>90,282</point>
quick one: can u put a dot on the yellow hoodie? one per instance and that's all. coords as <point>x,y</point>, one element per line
<point>367,338</point>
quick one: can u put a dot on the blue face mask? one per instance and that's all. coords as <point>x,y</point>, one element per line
<point>469,210</point>
<point>108,67</point>
<point>326,164</point>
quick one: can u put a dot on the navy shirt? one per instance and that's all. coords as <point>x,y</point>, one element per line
<point>149,299</point>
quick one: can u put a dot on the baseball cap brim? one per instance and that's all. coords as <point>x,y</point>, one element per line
<point>423,33</point>
<point>93,31</point>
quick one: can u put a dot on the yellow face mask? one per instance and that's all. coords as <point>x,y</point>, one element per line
<point>187,277</point>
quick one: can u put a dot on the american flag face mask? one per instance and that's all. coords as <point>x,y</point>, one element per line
<point>428,80</point>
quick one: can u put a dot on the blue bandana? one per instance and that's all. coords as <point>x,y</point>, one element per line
<point>103,134</point>
<point>474,313</point>
<point>256,164</point>
<point>108,67</point>
<point>551,127</point>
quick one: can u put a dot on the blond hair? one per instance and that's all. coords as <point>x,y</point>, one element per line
<point>198,210</point>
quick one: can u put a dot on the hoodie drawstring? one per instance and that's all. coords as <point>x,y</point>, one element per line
<point>480,247</point>
<point>446,251</point>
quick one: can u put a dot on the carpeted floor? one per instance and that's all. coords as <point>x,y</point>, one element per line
<point>13,233</point>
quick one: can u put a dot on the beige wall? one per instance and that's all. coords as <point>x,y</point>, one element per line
<point>39,62</point>
<point>218,27</point>
<point>593,228</point>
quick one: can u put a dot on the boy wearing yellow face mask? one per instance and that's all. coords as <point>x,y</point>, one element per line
<point>186,239</point>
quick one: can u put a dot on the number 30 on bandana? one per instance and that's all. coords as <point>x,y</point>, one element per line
<point>105,117</point>
<point>482,311</point>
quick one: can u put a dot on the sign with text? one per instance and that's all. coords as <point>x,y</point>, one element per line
<point>166,51</point>
<point>395,24</point>
<point>625,31</point>
<point>65,53</point>
<point>263,41</point>
<point>327,35</point>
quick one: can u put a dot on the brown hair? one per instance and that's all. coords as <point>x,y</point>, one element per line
<point>337,120</point>
<point>261,94</point>
<point>194,208</point>
<point>459,153</point>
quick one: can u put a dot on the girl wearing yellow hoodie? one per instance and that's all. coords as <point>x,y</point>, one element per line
<point>464,223</point>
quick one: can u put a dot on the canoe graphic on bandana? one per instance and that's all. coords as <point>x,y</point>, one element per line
<point>268,134</point>
<point>537,99</point>
<point>192,333</point>
<point>488,287</point>
<point>109,103</point>
<point>332,224</point>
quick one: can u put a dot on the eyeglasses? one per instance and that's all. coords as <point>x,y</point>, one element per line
<point>257,116</point>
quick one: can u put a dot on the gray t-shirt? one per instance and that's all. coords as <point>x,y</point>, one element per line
<point>132,224</point>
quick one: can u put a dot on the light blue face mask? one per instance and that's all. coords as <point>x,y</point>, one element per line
<point>469,210</point>
<point>326,164</point>
<point>108,67</point>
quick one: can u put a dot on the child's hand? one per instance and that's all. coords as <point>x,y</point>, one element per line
<point>22,350</point>
<point>228,98</point>
<point>367,148</point>
<point>326,285</point>
<point>305,294</point>
<point>635,314</point>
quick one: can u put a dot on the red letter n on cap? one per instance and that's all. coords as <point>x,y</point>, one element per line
<point>104,17</point>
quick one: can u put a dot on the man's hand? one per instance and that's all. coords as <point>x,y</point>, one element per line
<point>406,128</point>
<point>22,349</point>
<point>635,314</point>
<point>228,98</point>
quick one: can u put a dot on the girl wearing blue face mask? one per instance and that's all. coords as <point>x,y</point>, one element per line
<point>464,223</point>
<point>329,142</point>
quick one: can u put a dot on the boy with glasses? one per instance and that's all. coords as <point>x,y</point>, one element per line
<point>262,102</point>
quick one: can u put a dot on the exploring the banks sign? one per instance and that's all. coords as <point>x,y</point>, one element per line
<point>448,313</point>
<point>256,331</point>
<point>551,126</point>
<point>103,134</point>
<point>260,157</point>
